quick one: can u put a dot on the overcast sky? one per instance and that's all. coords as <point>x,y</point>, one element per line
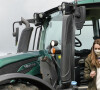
<point>13,10</point>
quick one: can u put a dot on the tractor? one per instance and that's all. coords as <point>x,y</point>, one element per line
<point>62,39</point>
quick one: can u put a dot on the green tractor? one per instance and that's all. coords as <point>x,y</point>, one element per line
<point>62,39</point>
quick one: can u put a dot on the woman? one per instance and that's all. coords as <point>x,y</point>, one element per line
<point>92,67</point>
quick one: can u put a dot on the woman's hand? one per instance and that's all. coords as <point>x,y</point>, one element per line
<point>92,74</point>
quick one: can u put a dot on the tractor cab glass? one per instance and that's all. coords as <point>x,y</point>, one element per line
<point>52,32</point>
<point>85,35</point>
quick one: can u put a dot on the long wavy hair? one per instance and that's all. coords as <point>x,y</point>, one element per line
<point>93,56</point>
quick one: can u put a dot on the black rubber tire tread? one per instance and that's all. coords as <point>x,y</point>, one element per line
<point>19,86</point>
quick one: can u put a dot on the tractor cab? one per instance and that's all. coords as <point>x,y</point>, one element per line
<point>73,37</point>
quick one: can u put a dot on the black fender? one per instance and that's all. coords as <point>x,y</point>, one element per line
<point>32,79</point>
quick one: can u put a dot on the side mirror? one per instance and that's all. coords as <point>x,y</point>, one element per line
<point>16,34</point>
<point>80,15</point>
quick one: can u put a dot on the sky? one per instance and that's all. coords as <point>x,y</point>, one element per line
<point>13,10</point>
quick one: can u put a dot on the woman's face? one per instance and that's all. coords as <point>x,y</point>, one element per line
<point>97,49</point>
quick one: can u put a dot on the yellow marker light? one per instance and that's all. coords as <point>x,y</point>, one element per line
<point>59,57</point>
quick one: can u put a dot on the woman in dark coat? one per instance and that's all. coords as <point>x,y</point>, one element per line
<point>92,67</point>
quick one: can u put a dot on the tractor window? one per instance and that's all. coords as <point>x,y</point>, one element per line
<point>86,36</point>
<point>34,39</point>
<point>54,30</point>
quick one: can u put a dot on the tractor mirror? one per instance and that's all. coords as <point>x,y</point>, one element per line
<point>16,34</point>
<point>80,15</point>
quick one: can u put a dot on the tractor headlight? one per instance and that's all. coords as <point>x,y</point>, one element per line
<point>54,43</point>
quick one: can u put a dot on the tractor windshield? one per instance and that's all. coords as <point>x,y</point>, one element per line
<point>52,32</point>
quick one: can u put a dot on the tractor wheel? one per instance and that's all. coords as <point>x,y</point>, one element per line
<point>18,86</point>
<point>19,81</point>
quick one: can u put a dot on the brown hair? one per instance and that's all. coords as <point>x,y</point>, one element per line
<point>93,56</point>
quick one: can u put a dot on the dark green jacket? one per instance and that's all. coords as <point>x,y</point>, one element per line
<point>88,68</point>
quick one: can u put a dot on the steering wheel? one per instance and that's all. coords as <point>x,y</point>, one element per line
<point>78,43</point>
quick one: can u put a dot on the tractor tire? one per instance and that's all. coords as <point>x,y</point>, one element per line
<point>19,86</point>
<point>19,81</point>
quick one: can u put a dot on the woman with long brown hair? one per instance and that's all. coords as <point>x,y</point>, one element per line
<point>92,67</point>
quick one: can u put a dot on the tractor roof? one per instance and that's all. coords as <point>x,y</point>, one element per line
<point>88,1</point>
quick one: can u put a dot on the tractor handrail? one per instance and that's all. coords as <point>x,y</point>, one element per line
<point>27,24</point>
